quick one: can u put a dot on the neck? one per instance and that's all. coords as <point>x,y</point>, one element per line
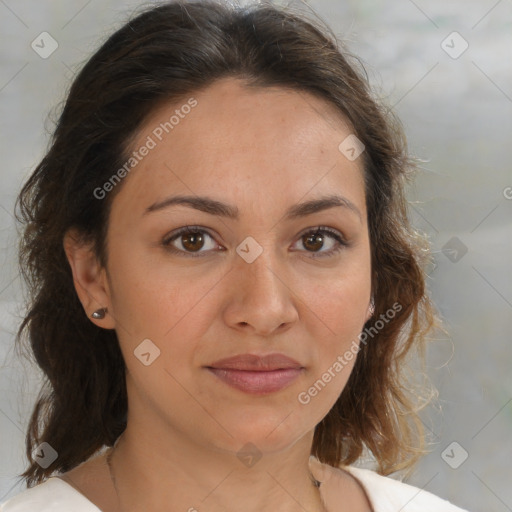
<point>150,476</point>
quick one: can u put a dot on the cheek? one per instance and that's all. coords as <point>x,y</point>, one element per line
<point>340,302</point>
<point>339,308</point>
<point>154,298</point>
<point>335,349</point>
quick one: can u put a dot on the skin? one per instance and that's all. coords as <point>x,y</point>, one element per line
<point>261,150</point>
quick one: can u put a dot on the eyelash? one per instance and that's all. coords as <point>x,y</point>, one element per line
<point>197,229</point>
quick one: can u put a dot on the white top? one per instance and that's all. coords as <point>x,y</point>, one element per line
<point>384,493</point>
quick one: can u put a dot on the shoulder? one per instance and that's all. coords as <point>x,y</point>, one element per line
<point>393,493</point>
<point>384,493</point>
<point>52,495</point>
<point>390,494</point>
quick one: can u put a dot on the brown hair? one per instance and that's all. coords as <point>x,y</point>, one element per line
<point>162,55</point>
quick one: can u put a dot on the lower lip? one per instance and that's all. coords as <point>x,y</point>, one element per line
<point>261,382</point>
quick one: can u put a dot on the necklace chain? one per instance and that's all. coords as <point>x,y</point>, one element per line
<point>316,483</point>
<point>111,471</point>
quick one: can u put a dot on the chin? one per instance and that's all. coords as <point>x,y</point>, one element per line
<point>272,433</point>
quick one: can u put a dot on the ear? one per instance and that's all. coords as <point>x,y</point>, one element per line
<point>89,278</point>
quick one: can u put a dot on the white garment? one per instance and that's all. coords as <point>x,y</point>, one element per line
<point>385,494</point>
<point>53,495</point>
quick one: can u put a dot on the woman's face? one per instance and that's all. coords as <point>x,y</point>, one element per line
<point>256,282</point>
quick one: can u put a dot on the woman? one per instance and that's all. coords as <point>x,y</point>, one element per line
<point>224,283</point>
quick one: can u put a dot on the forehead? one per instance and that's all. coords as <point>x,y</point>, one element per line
<point>264,146</point>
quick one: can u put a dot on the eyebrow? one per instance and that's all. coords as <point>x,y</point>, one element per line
<point>214,207</point>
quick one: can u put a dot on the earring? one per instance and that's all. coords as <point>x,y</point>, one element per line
<point>371,309</point>
<point>99,314</point>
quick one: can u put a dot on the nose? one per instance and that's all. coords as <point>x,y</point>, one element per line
<point>261,299</point>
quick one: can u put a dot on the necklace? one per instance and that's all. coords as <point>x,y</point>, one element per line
<point>316,483</point>
<point>111,471</point>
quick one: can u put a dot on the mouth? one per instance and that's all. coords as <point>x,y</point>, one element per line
<point>257,382</point>
<point>256,374</point>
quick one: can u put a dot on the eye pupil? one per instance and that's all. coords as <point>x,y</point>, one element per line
<point>189,241</point>
<point>311,239</point>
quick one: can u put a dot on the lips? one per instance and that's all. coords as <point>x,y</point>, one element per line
<point>255,374</point>
<point>254,362</point>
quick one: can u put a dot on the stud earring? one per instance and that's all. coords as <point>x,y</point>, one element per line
<point>371,308</point>
<point>99,314</point>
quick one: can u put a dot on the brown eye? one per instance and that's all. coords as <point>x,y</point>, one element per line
<point>189,241</point>
<point>314,240</point>
<point>192,241</point>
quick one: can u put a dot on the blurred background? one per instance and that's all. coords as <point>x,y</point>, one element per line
<point>446,70</point>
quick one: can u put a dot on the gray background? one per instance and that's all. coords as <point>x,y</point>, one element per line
<point>457,113</point>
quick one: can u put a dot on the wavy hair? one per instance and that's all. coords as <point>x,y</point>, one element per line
<point>163,54</point>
